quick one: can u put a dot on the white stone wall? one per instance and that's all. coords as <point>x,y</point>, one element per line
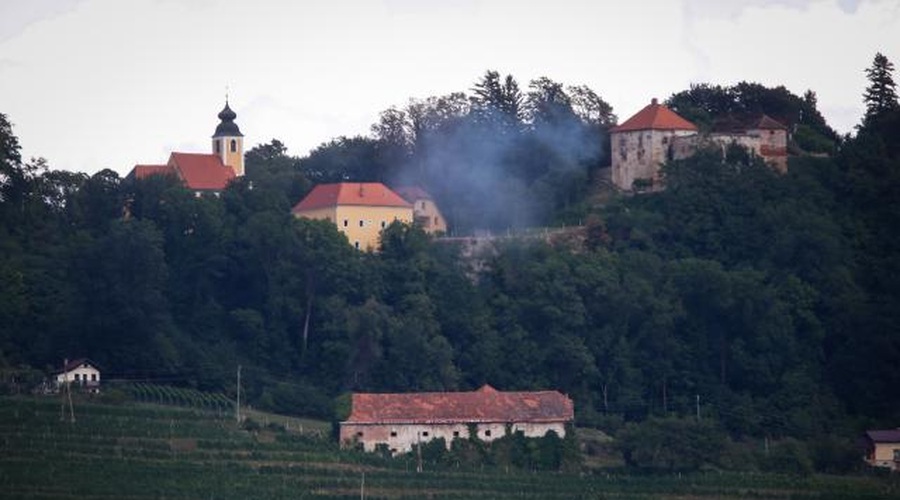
<point>638,154</point>
<point>400,438</point>
<point>86,375</point>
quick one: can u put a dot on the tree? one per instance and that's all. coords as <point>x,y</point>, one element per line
<point>881,94</point>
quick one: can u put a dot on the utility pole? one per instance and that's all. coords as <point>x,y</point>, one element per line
<point>237,406</point>
<point>66,395</point>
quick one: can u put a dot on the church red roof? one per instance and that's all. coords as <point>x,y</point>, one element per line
<point>484,405</point>
<point>370,194</point>
<point>201,172</point>
<point>144,171</point>
<point>655,116</point>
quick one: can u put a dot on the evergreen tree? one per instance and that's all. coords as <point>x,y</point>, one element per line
<point>881,94</point>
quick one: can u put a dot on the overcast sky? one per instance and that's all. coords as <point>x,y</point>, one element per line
<point>93,84</point>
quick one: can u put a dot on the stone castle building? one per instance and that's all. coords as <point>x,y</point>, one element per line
<point>656,134</point>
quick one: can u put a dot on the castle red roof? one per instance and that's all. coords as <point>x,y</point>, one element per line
<point>766,122</point>
<point>201,172</point>
<point>370,194</point>
<point>484,405</point>
<point>655,116</point>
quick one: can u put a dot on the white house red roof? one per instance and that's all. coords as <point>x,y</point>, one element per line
<point>484,405</point>
<point>71,365</point>
<point>655,116</point>
<point>370,194</point>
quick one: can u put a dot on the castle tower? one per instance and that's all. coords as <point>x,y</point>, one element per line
<point>228,141</point>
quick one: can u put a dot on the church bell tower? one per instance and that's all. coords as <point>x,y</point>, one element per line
<point>228,141</point>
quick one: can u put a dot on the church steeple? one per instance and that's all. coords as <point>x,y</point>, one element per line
<point>228,141</point>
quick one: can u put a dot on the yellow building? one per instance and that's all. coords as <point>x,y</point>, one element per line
<point>883,448</point>
<point>359,209</point>
<point>426,212</point>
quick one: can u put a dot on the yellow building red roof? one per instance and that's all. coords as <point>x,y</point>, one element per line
<point>655,116</point>
<point>484,405</point>
<point>369,194</point>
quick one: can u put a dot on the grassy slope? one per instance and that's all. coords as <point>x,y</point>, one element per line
<point>141,452</point>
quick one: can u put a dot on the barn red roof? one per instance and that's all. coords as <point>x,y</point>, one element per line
<point>484,405</point>
<point>370,194</point>
<point>201,172</point>
<point>657,117</point>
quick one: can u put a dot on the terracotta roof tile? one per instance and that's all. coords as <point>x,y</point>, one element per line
<point>766,122</point>
<point>412,193</point>
<point>657,117</point>
<point>371,194</point>
<point>484,405</point>
<point>201,172</point>
<point>144,171</point>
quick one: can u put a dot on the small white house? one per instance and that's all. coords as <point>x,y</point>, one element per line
<point>80,372</point>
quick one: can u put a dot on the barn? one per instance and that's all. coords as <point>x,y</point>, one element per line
<point>400,421</point>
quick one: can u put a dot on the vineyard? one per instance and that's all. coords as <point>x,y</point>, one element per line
<point>151,452</point>
<point>177,396</point>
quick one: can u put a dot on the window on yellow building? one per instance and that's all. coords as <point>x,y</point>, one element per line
<point>362,223</point>
<point>346,222</point>
<point>356,244</point>
<point>233,145</point>
<point>218,146</point>
<point>383,224</point>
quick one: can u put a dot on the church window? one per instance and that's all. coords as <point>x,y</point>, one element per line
<point>233,145</point>
<point>218,146</point>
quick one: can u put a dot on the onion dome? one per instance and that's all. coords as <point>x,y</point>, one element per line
<point>227,127</point>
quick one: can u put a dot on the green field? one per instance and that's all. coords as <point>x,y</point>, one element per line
<point>145,451</point>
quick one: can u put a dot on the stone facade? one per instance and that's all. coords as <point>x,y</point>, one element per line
<point>400,421</point>
<point>656,134</point>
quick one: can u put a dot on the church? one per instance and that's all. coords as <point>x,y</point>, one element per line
<point>205,173</point>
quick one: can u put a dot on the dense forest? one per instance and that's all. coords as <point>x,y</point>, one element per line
<point>766,304</point>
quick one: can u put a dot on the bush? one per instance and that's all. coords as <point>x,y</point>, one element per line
<point>671,444</point>
<point>788,456</point>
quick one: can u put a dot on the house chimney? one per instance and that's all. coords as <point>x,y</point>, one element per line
<point>654,102</point>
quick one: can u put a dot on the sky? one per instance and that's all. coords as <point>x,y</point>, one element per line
<point>94,84</point>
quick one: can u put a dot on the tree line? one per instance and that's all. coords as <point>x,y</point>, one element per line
<point>763,302</point>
